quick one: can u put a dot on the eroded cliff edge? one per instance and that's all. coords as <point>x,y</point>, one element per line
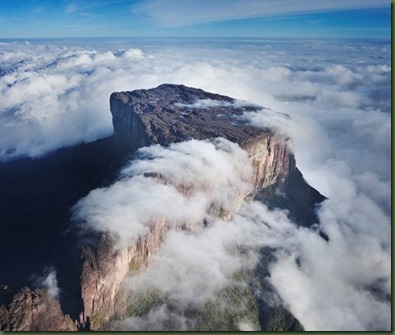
<point>175,113</point>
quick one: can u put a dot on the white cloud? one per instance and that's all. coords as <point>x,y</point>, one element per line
<point>52,96</point>
<point>60,99</point>
<point>49,281</point>
<point>70,8</point>
<point>192,268</point>
<point>341,133</point>
<point>209,103</point>
<point>73,7</point>
<point>198,175</point>
<point>338,277</point>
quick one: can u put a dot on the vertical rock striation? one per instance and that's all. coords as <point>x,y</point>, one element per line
<point>34,311</point>
<point>104,268</point>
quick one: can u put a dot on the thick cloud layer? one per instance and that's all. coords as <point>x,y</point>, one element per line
<point>182,184</point>
<point>351,269</point>
<point>55,96</point>
<point>191,269</point>
<point>337,94</point>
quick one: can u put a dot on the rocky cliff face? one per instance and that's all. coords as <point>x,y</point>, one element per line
<point>104,268</point>
<point>175,113</point>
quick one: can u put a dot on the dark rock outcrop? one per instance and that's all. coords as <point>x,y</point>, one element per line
<point>34,311</point>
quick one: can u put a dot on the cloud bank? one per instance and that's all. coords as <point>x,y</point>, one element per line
<point>183,185</point>
<point>347,278</point>
<point>337,94</point>
<point>53,97</point>
<point>191,270</point>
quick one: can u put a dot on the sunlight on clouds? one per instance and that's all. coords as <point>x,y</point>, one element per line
<point>195,177</point>
<point>339,120</point>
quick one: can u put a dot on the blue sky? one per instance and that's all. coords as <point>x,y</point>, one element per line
<point>244,18</point>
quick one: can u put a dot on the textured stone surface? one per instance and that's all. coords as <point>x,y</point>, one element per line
<point>175,113</point>
<point>105,267</point>
<point>34,311</point>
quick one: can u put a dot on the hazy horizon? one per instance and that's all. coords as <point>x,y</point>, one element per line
<point>302,18</point>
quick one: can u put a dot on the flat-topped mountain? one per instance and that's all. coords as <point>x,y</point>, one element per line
<point>174,113</point>
<point>164,115</point>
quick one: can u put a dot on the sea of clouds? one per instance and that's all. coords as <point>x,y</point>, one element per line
<point>337,92</point>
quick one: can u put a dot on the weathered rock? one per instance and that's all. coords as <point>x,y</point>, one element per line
<point>171,113</point>
<point>105,267</point>
<point>34,311</point>
<point>175,113</point>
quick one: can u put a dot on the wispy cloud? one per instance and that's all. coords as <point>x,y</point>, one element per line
<point>70,8</point>
<point>314,21</point>
<point>77,7</point>
<point>177,13</point>
<point>38,10</point>
<point>47,279</point>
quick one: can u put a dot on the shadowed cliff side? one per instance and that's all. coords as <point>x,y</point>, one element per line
<point>35,200</point>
